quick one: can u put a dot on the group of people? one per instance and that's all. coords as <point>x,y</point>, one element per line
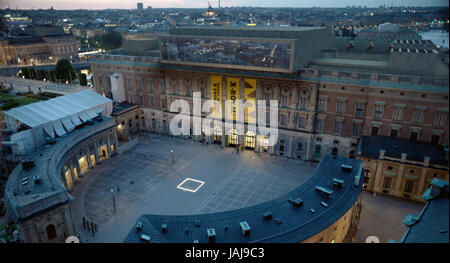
<point>91,227</point>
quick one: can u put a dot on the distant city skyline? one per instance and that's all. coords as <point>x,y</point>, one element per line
<point>131,4</point>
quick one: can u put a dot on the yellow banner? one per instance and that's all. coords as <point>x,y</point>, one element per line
<point>216,94</point>
<point>232,96</point>
<point>250,96</point>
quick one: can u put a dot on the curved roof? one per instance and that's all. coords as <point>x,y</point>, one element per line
<point>297,223</point>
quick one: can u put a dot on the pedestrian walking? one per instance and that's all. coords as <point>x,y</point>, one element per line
<point>84,219</point>
<point>118,189</point>
<point>95,227</point>
<point>84,224</point>
<point>88,226</point>
<point>92,226</point>
<point>93,233</point>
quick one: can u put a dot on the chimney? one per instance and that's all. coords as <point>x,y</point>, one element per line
<point>426,161</point>
<point>382,154</point>
<point>403,157</point>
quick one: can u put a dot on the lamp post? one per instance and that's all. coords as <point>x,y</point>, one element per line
<point>114,199</point>
<point>173,160</point>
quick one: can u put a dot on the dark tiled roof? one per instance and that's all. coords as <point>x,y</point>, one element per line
<point>120,108</point>
<point>370,147</point>
<point>297,224</point>
<point>431,225</point>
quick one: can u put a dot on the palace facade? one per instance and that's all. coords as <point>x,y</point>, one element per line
<point>331,91</point>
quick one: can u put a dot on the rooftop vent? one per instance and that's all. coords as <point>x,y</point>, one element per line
<point>267,216</point>
<point>346,168</point>
<point>338,182</point>
<point>139,226</point>
<point>297,202</point>
<point>164,228</point>
<point>145,238</point>
<point>245,228</point>
<point>36,179</point>
<point>278,221</point>
<point>324,204</point>
<point>324,191</point>
<point>211,235</point>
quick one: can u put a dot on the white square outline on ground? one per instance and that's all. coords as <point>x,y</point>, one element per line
<point>190,190</point>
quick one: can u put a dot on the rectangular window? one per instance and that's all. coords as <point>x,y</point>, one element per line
<point>359,109</point>
<point>394,133</point>
<point>150,85</point>
<point>398,114</point>
<point>338,126</point>
<point>414,136</point>
<point>322,105</point>
<point>340,107</point>
<point>141,100</point>
<point>418,116</point>
<point>356,129</point>
<point>387,182</point>
<point>163,103</point>
<point>409,185</point>
<point>378,112</point>
<point>284,101</point>
<point>440,119</point>
<point>303,103</point>
<point>302,122</point>
<point>152,101</point>
<point>162,86</point>
<point>130,84</point>
<point>320,124</point>
<point>283,119</point>
<point>139,86</point>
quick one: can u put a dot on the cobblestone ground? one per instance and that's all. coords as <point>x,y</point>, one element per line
<point>382,216</point>
<point>148,181</point>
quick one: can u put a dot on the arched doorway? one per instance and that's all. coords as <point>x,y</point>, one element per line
<point>217,134</point>
<point>233,137</point>
<point>51,232</point>
<point>250,140</point>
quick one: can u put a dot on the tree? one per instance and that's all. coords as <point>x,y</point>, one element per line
<point>107,41</point>
<point>83,79</point>
<point>64,71</point>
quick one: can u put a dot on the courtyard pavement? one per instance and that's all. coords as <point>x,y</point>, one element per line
<point>148,181</point>
<point>382,216</point>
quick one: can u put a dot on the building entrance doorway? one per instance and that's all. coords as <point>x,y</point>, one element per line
<point>103,152</point>
<point>250,140</point>
<point>233,137</point>
<point>68,176</point>
<point>83,164</point>
<point>217,134</point>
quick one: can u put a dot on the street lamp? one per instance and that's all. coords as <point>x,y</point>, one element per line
<point>114,199</point>
<point>173,161</point>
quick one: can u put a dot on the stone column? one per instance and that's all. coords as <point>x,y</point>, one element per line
<point>97,158</point>
<point>223,137</point>
<point>377,187</point>
<point>88,153</point>
<point>290,147</point>
<point>257,144</point>
<point>398,181</point>
<point>116,142</point>
<point>308,148</point>
<point>69,222</point>
<point>421,184</point>
<point>108,146</point>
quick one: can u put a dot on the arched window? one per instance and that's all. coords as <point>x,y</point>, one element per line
<point>51,232</point>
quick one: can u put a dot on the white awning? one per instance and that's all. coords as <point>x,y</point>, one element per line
<point>83,103</point>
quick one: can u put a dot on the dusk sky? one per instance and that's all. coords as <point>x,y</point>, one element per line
<point>131,4</point>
